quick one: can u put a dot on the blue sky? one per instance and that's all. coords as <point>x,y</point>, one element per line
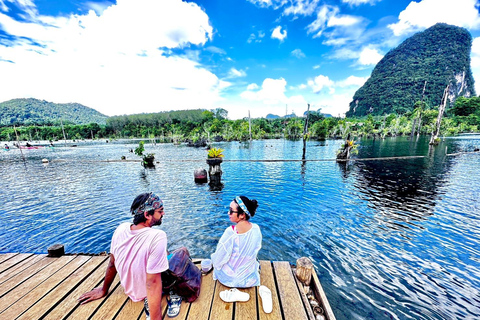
<point>262,56</point>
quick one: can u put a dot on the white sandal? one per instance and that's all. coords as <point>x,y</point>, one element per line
<point>266,296</point>
<point>234,295</point>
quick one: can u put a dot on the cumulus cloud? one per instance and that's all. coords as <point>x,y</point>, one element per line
<point>271,92</point>
<point>298,53</point>
<point>424,14</point>
<point>112,61</point>
<point>320,82</point>
<point>369,57</point>
<point>279,34</point>
<point>352,81</point>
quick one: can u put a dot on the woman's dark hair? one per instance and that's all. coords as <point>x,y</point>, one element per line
<point>251,205</point>
<point>138,202</point>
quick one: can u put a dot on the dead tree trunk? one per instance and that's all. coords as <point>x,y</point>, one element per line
<point>305,130</point>
<point>441,110</point>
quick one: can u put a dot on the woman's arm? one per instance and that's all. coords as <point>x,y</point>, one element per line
<point>224,249</point>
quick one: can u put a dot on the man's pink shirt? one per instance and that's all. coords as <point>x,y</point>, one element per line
<point>136,253</point>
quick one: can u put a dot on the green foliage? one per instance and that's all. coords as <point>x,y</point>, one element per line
<point>439,55</point>
<point>466,106</point>
<point>40,112</point>
<point>215,153</point>
<point>140,149</point>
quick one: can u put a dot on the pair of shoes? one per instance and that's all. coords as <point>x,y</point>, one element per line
<point>266,296</point>
<point>174,302</point>
<point>234,295</point>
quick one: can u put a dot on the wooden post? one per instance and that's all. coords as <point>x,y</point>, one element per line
<point>249,126</point>
<point>57,250</point>
<point>304,270</point>
<point>18,143</point>
<point>305,129</point>
<point>215,171</point>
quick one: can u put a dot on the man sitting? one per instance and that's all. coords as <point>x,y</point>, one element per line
<point>139,254</point>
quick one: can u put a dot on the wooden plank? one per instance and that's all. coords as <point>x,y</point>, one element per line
<point>290,300</point>
<point>322,297</point>
<point>131,310</point>
<point>5,256</point>
<point>24,275</point>
<point>306,304</point>
<point>13,261</point>
<point>85,311</point>
<point>220,309</point>
<point>31,283</point>
<point>247,310</point>
<point>19,267</point>
<point>35,294</point>
<point>112,305</point>
<point>200,308</point>
<point>70,302</point>
<point>267,279</point>
<point>59,292</point>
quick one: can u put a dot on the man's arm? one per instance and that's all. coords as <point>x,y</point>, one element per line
<point>154,295</point>
<point>100,292</point>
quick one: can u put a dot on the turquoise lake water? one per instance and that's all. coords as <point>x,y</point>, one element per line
<point>390,239</point>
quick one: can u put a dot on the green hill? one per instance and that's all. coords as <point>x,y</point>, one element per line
<point>438,55</point>
<point>33,111</point>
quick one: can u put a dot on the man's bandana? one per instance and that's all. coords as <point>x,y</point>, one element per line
<point>243,206</point>
<point>153,202</point>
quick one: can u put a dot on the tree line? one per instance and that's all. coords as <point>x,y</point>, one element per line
<point>213,125</point>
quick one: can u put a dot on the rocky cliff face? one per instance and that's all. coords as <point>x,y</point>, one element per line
<point>437,56</point>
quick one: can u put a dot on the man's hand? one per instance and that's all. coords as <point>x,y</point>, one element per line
<point>95,294</point>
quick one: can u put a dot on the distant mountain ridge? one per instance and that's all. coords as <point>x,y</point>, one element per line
<point>438,56</point>
<point>33,111</point>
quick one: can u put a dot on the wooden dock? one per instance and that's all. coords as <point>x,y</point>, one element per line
<point>34,286</point>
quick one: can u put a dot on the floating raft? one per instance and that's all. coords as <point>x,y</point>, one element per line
<point>35,286</point>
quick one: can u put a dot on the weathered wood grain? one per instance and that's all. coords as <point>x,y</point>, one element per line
<point>62,290</point>
<point>70,302</point>
<point>19,267</point>
<point>43,288</point>
<point>267,279</point>
<point>28,285</point>
<point>290,299</point>
<point>220,309</point>
<point>13,261</point>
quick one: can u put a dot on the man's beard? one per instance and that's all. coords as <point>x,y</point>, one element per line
<point>158,222</point>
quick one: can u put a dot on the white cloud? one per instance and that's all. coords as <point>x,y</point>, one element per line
<point>234,73</point>
<point>279,34</point>
<point>337,28</point>
<point>252,86</point>
<point>298,53</point>
<point>111,62</point>
<point>475,62</point>
<point>271,92</point>
<point>256,37</point>
<point>369,57</point>
<point>359,2</point>
<point>301,7</point>
<point>424,14</point>
<point>352,81</point>
<point>320,82</point>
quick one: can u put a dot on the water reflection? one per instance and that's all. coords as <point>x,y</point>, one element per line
<point>390,239</point>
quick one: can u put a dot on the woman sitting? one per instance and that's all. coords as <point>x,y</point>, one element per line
<point>235,260</point>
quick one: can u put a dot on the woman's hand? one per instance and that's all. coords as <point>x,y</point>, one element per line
<point>95,294</point>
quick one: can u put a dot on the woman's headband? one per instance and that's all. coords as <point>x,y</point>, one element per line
<point>243,206</point>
